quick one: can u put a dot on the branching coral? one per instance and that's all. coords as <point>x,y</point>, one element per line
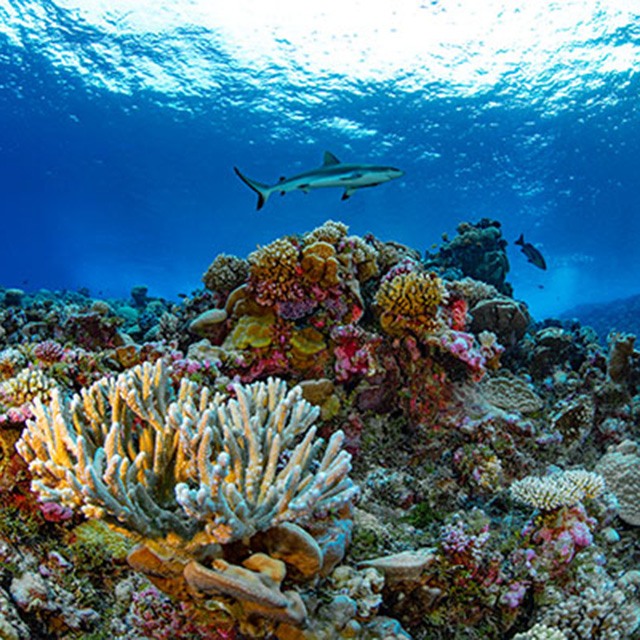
<point>558,490</point>
<point>169,468</point>
<point>600,608</point>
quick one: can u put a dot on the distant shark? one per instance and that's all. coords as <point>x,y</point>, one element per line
<point>332,173</point>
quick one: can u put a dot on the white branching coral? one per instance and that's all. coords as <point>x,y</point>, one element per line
<point>186,468</point>
<point>561,489</point>
<point>541,632</point>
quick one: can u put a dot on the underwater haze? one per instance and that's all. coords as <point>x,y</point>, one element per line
<point>121,122</point>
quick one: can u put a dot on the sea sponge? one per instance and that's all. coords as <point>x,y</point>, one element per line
<point>274,273</point>
<point>562,489</point>
<point>320,264</point>
<point>410,299</point>
<point>225,273</point>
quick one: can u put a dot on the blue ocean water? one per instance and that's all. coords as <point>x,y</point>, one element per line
<point>120,123</point>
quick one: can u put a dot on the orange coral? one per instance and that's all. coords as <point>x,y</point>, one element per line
<point>320,264</point>
<point>274,271</point>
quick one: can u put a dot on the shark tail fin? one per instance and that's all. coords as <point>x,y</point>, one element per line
<point>520,240</point>
<point>263,190</point>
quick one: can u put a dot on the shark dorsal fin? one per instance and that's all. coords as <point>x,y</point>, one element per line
<point>329,159</point>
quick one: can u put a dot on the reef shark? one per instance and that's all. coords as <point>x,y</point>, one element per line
<point>332,173</point>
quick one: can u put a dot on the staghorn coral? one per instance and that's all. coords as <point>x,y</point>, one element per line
<point>167,468</point>
<point>225,273</point>
<point>620,467</point>
<point>561,489</point>
<point>410,299</point>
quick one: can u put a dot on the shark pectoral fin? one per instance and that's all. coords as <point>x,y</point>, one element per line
<point>329,159</point>
<point>304,188</point>
<point>348,193</point>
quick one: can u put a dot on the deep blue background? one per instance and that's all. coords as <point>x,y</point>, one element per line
<point>108,189</point>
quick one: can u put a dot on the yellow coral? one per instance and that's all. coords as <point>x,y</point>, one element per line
<point>320,264</point>
<point>252,331</point>
<point>306,344</point>
<point>410,299</point>
<point>28,385</point>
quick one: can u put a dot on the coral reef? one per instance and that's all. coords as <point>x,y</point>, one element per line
<point>333,439</point>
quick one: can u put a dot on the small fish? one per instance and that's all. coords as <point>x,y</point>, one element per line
<point>332,173</point>
<point>532,254</point>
